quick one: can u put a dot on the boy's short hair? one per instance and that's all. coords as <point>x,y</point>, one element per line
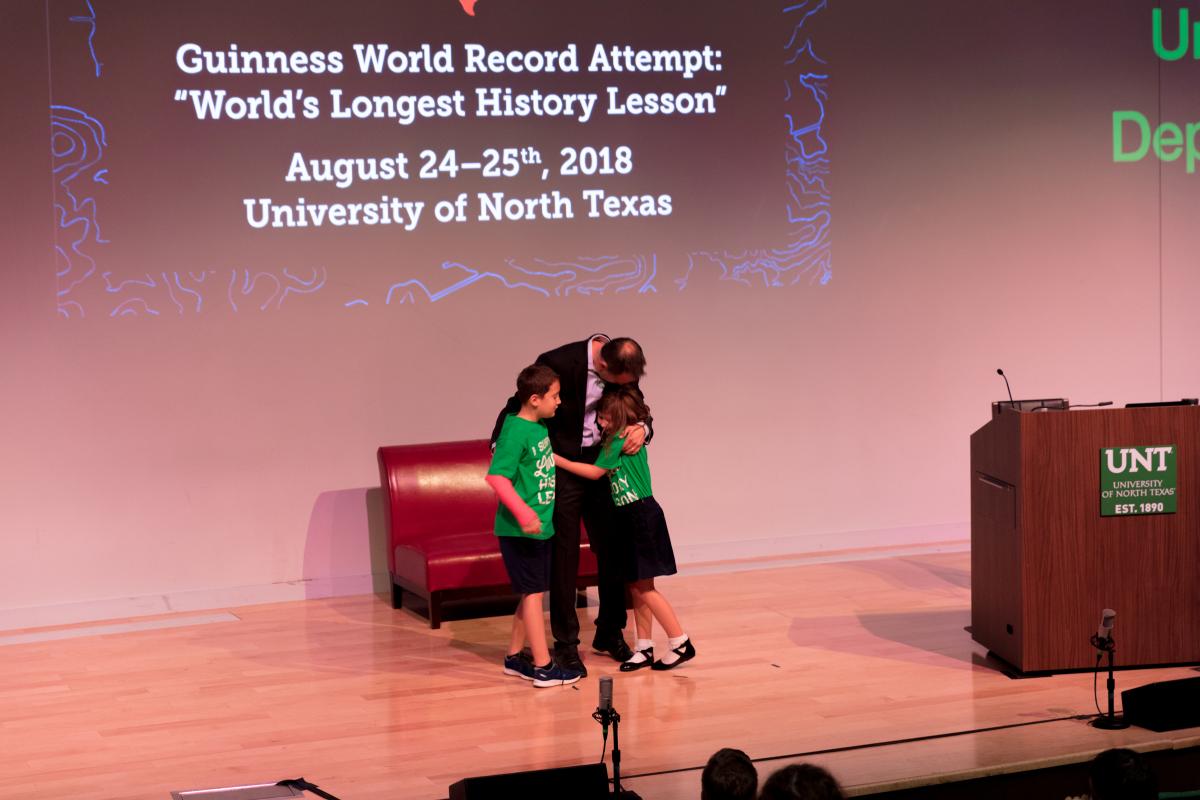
<point>1122,773</point>
<point>534,379</point>
<point>729,775</point>
<point>801,782</point>
<point>624,356</point>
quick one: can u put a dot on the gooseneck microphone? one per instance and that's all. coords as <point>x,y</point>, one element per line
<point>1011,402</point>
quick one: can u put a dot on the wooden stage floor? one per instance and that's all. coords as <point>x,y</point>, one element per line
<point>854,661</point>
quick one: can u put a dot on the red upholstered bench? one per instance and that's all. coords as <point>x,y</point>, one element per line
<point>440,514</point>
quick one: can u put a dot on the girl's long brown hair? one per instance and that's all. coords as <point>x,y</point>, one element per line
<point>624,406</point>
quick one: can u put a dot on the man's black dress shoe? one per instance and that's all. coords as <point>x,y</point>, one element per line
<point>614,647</point>
<point>568,657</point>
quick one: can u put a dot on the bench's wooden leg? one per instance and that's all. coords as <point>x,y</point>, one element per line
<point>581,598</point>
<point>435,610</point>
<point>397,596</point>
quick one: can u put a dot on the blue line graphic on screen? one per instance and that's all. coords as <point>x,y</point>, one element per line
<point>808,255</point>
<point>620,274</point>
<point>77,145</point>
<point>280,285</point>
<point>77,142</point>
<point>582,276</point>
<point>90,20</point>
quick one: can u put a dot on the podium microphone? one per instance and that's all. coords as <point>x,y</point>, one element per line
<point>1011,402</point>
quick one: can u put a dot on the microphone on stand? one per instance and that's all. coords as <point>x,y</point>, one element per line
<point>607,715</point>
<point>1011,402</point>
<point>1103,639</point>
<point>604,710</point>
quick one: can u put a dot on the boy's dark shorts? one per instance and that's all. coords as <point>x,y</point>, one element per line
<point>528,563</point>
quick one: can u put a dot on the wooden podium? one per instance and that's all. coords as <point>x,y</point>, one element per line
<point>1045,563</point>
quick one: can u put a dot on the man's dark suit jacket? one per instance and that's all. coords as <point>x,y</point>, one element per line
<point>566,426</point>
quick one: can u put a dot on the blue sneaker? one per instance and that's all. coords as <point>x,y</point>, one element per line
<point>520,666</point>
<point>554,675</point>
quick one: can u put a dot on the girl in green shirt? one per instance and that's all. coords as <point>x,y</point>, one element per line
<point>641,527</point>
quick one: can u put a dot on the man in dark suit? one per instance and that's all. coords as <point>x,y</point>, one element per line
<point>583,368</point>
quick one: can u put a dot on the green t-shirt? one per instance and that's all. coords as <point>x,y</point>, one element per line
<point>523,455</point>
<point>629,476</point>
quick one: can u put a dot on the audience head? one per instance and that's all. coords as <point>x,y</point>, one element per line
<point>729,775</point>
<point>801,782</point>
<point>1121,774</point>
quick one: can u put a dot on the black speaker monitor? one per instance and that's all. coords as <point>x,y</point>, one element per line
<point>587,782</point>
<point>1164,706</point>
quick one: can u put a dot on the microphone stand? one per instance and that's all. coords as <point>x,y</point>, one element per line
<point>616,753</point>
<point>606,717</point>
<point>1110,721</point>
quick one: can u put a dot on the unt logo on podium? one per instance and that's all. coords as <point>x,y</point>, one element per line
<point>1136,459</point>
<point>1137,480</point>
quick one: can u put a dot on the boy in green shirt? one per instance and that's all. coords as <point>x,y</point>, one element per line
<point>522,475</point>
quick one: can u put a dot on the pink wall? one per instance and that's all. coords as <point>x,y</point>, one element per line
<point>1180,238</point>
<point>978,222</point>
